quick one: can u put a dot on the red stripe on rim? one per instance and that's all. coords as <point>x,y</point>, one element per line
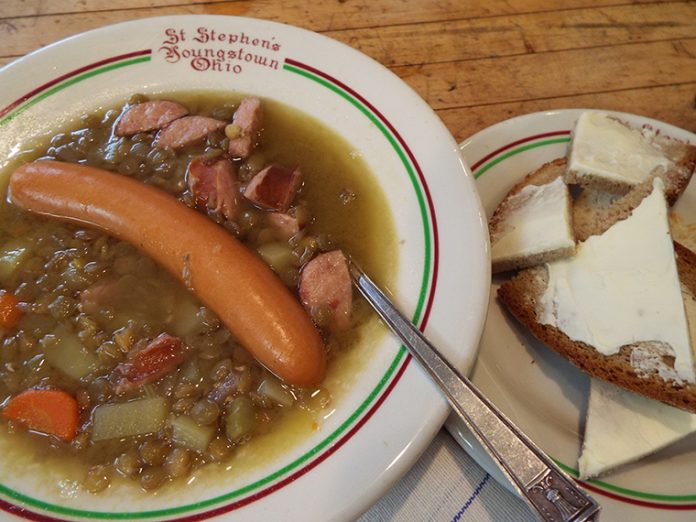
<point>22,512</point>
<point>46,85</point>
<point>635,501</point>
<point>424,184</point>
<point>515,143</point>
<point>25,513</point>
<point>263,493</point>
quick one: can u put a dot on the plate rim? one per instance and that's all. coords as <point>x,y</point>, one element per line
<point>456,429</point>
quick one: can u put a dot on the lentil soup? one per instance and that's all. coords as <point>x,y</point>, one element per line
<point>149,384</point>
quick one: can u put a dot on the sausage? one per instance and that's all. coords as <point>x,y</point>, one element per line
<point>186,131</point>
<point>325,284</point>
<point>240,147</point>
<point>213,184</point>
<point>148,116</point>
<point>226,276</point>
<point>274,187</point>
<point>247,122</point>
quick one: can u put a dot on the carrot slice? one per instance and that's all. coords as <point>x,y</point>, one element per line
<point>10,314</point>
<point>53,412</point>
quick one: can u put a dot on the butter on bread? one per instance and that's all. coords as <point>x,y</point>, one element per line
<point>532,224</point>
<point>622,427</point>
<point>624,423</point>
<point>610,155</point>
<point>645,366</point>
<point>594,211</point>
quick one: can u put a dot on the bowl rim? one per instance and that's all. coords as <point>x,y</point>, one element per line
<point>421,315</point>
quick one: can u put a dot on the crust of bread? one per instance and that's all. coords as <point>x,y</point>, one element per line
<point>521,295</point>
<point>519,263</point>
<point>682,155</point>
<point>543,175</point>
<point>682,231</point>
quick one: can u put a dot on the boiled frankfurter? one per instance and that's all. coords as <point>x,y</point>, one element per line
<point>226,276</point>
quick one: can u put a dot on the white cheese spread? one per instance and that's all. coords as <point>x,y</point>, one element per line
<point>622,287</point>
<point>538,221</point>
<point>603,146</point>
<point>622,427</point>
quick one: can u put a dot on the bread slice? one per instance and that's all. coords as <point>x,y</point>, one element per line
<point>521,296</point>
<point>622,426</point>
<point>609,155</point>
<point>532,224</point>
<point>594,212</point>
<point>682,231</point>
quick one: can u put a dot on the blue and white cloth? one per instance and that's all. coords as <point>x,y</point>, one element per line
<point>447,485</point>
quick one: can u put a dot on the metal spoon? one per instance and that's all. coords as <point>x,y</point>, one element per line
<point>547,490</point>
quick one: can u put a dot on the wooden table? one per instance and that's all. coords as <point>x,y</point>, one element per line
<point>475,62</point>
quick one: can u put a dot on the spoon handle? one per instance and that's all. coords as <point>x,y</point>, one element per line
<point>547,490</point>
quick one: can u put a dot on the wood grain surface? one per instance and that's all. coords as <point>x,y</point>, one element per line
<point>475,63</point>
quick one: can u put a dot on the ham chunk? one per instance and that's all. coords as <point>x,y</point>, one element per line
<point>158,358</point>
<point>213,183</point>
<point>148,116</point>
<point>274,187</point>
<point>186,131</point>
<point>284,225</point>
<point>245,127</point>
<point>325,287</point>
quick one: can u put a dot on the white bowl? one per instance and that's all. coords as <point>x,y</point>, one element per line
<point>391,411</point>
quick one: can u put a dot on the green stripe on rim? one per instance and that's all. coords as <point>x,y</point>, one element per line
<point>67,83</point>
<point>409,169</point>
<point>482,170</point>
<point>625,491</point>
<point>392,370</point>
<point>572,471</point>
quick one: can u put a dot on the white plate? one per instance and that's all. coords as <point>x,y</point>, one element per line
<point>390,411</point>
<point>542,393</point>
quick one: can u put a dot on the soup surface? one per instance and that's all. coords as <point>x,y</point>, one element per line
<point>159,385</point>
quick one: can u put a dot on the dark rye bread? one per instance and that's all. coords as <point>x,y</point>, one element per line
<point>594,212</point>
<point>682,155</point>
<point>498,222</point>
<point>676,179</point>
<point>521,294</point>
